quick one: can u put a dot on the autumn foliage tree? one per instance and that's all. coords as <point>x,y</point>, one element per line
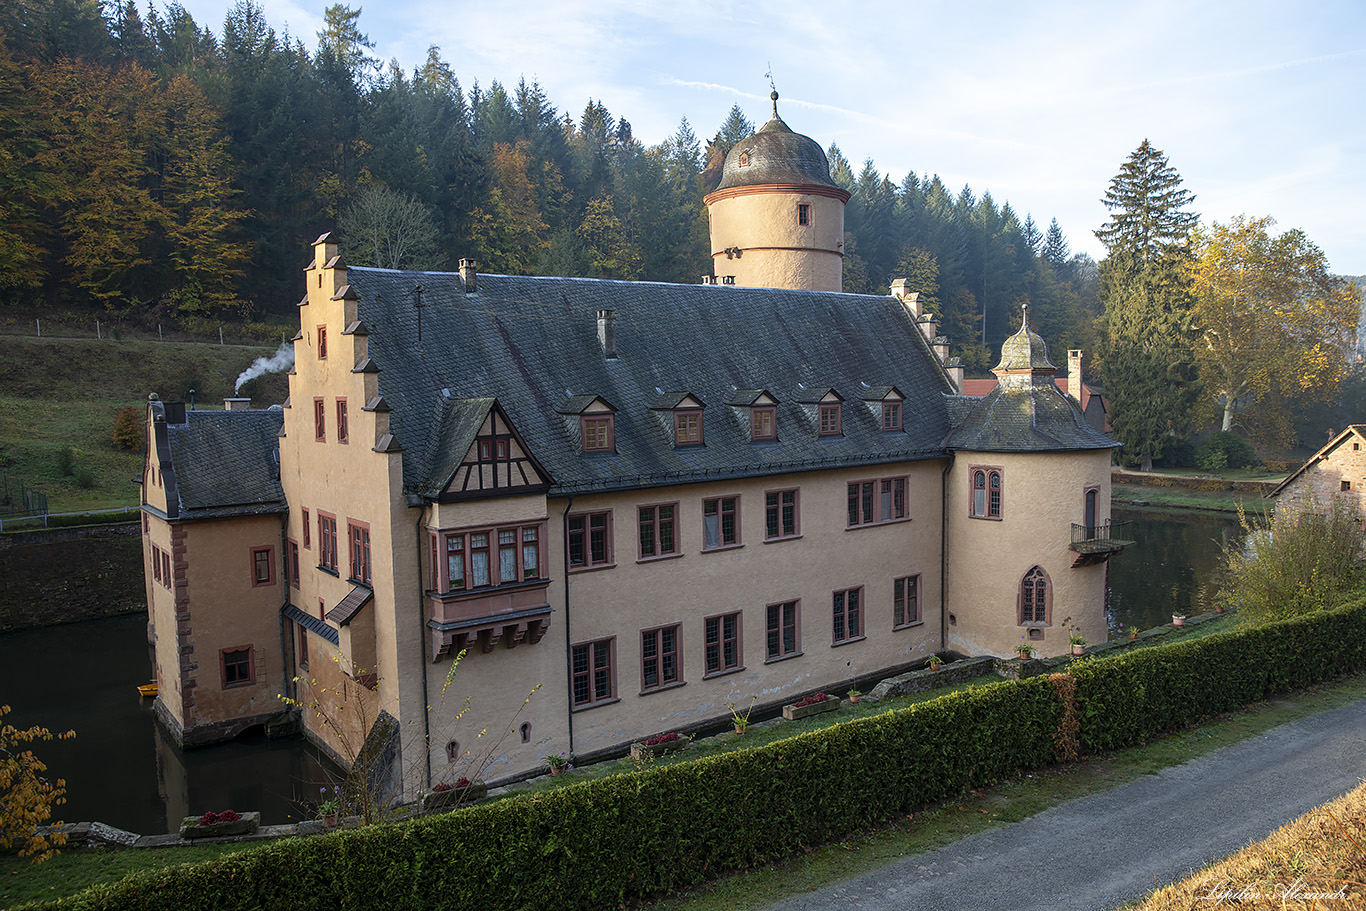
<point>27,796</point>
<point>1276,327</point>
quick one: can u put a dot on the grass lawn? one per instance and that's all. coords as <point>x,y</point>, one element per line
<point>1138,496</point>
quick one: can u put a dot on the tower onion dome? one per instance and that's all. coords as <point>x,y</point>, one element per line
<point>1025,350</point>
<point>775,155</point>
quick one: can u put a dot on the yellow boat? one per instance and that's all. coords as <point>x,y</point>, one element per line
<point>147,690</point>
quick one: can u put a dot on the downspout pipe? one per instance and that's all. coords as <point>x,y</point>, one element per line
<point>944,556</point>
<point>568,647</point>
<point>422,648</point>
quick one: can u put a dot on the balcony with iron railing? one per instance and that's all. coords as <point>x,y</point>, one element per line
<point>1097,543</point>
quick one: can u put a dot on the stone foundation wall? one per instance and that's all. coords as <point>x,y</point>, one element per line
<point>63,575</point>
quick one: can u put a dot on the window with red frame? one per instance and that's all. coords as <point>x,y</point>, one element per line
<point>343,430</point>
<point>597,433</point>
<point>593,672</point>
<point>906,601</point>
<point>872,502</point>
<point>986,493</point>
<point>308,529</point>
<point>262,566</point>
<point>327,542</point>
<point>590,540</point>
<point>237,666</point>
<point>688,427</point>
<point>359,537</point>
<point>829,419</point>
<point>780,514</point>
<point>658,536</point>
<point>320,420</point>
<point>1034,596</point>
<point>891,415</point>
<point>292,570</point>
<point>322,342</point>
<point>847,615</point>
<point>781,638</point>
<point>763,422</point>
<point>722,643</point>
<point>660,659</point>
<point>720,522</point>
<point>492,556</point>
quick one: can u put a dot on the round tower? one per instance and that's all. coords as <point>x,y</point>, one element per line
<point>777,219</point>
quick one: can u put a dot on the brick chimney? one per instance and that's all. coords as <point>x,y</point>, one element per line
<point>469,275</point>
<point>237,404</point>
<point>909,299</point>
<point>1074,373</point>
<point>607,332</point>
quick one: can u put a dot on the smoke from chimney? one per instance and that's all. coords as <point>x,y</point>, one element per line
<point>282,359</point>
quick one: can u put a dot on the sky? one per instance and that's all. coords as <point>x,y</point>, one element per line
<point>1257,105</point>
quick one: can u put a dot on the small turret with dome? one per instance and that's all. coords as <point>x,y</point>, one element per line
<point>777,219</point>
<point>1026,412</point>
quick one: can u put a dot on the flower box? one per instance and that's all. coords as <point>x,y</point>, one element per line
<point>643,750</point>
<point>797,711</point>
<point>454,796</point>
<point>244,824</point>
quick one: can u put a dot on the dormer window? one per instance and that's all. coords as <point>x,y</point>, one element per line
<point>688,427</point>
<point>891,415</point>
<point>829,419</point>
<point>744,159</point>
<point>763,422</point>
<point>598,433</point>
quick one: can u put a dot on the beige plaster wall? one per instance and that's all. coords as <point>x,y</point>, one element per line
<point>161,614</point>
<point>351,482</point>
<point>1043,494</point>
<point>777,251</point>
<point>634,596</point>
<point>227,611</point>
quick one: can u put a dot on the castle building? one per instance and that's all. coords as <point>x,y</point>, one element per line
<point>628,505</point>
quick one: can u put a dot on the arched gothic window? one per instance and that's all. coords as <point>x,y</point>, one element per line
<point>1036,596</point>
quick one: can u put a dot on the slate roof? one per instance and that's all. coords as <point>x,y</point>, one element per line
<point>532,343</point>
<point>1026,412</point>
<point>227,463</point>
<point>776,155</point>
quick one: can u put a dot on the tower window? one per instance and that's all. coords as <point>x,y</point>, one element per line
<point>803,214</point>
<point>744,159</point>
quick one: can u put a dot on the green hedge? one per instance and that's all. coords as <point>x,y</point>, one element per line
<point>1126,699</point>
<point>607,842</point>
<point>612,840</point>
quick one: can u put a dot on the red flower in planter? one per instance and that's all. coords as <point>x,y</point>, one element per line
<point>813,699</point>
<point>211,817</point>
<point>462,782</point>
<point>657,739</point>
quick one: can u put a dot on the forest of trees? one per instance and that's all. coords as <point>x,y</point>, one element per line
<point>163,172</point>
<point>158,168</point>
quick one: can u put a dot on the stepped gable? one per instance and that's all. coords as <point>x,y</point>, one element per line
<point>532,343</point>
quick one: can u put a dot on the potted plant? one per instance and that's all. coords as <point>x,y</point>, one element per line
<point>1133,632</point>
<point>1024,651</point>
<point>1078,644</point>
<point>329,808</point>
<point>1178,619</point>
<point>220,824</point>
<point>814,704</point>
<point>658,745</point>
<point>854,695</point>
<point>740,721</point>
<point>935,663</point>
<point>558,762</point>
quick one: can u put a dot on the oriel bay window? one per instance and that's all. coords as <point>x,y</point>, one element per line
<point>492,556</point>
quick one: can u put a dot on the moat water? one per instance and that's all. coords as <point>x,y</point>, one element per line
<point>123,770</point>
